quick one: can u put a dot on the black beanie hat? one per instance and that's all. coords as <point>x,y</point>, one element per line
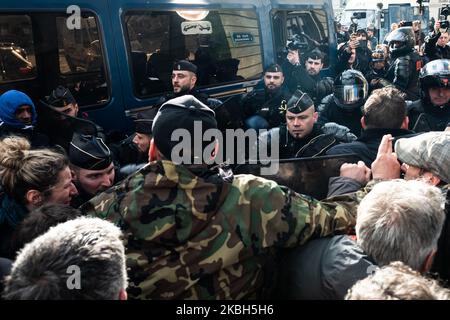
<point>89,152</point>
<point>181,113</point>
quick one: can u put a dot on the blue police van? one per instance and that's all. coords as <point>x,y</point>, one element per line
<point>116,56</point>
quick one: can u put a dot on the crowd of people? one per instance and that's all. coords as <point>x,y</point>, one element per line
<point>82,217</point>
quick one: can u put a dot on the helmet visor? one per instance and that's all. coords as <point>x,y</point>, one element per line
<point>350,94</point>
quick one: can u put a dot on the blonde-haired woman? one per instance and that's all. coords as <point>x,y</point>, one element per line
<point>29,179</point>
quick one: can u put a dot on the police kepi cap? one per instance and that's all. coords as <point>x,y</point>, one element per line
<point>60,97</point>
<point>184,65</point>
<point>181,113</point>
<point>299,102</point>
<point>274,67</point>
<point>429,151</point>
<point>144,121</point>
<point>89,152</point>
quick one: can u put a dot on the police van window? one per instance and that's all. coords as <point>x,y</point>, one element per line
<point>17,59</point>
<point>81,62</point>
<point>310,25</point>
<point>224,44</point>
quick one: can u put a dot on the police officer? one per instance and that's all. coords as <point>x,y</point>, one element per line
<point>379,67</point>
<point>62,100</point>
<point>261,107</point>
<point>301,136</point>
<point>193,234</point>
<point>61,117</point>
<point>432,111</point>
<point>91,165</point>
<point>405,62</point>
<point>134,149</point>
<point>184,81</point>
<point>344,105</point>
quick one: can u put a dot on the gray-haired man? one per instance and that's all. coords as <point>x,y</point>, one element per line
<point>82,259</point>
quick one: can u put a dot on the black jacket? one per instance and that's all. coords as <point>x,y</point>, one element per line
<point>424,117</point>
<point>323,269</point>
<point>403,72</point>
<point>11,214</point>
<point>296,77</point>
<point>266,104</point>
<point>433,51</point>
<point>329,111</point>
<point>36,139</point>
<point>362,61</point>
<point>366,147</point>
<point>315,144</point>
<point>203,97</point>
<point>126,152</point>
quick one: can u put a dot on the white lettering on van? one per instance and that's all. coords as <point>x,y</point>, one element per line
<point>74,20</point>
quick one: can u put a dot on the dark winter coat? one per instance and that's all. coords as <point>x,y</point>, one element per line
<point>366,146</point>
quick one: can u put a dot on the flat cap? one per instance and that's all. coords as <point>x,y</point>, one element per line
<point>429,151</point>
<point>89,152</point>
<point>184,65</point>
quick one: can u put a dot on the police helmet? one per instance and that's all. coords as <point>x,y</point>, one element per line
<point>435,74</point>
<point>378,55</point>
<point>350,89</point>
<point>401,41</point>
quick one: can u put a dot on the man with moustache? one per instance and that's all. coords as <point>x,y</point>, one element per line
<point>261,107</point>
<point>301,136</point>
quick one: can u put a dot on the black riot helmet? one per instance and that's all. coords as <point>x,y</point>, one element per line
<point>378,55</point>
<point>350,89</point>
<point>401,41</point>
<point>435,74</point>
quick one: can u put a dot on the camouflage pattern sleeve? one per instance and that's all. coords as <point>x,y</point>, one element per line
<point>281,217</point>
<point>106,205</point>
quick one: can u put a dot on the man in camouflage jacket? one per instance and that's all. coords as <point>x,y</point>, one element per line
<point>191,234</point>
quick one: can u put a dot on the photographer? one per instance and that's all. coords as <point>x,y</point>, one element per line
<point>436,43</point>
<point>355,54</point>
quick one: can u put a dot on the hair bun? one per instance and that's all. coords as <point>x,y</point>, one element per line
<point>12,152</point>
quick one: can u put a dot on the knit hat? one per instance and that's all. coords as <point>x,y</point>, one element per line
<point>182,113</point>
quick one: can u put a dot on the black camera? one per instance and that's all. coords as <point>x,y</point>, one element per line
<point>362,44</point>
<point>407,24</point>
